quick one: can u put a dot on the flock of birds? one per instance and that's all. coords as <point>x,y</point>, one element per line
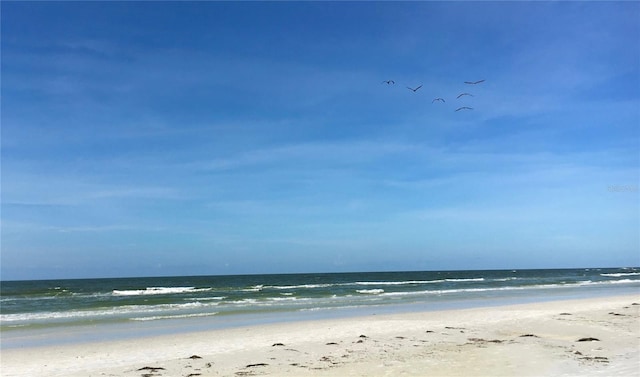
<point>439,99</point>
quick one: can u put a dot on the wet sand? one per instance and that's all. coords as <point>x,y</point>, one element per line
<point>588,337</point>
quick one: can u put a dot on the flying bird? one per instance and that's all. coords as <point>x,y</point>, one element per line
<point>465,94</point>
<point>416,89</point>
<point>389,82</point>
<point>437,99</point>
<point>464,108</point>
<point>473,82</point>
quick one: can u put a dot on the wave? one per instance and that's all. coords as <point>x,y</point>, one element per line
<point>217,298</point>
<point>523,287</point>
<point>267,301</point>
<point>49,297</point>
<point>623,281</point>
<point>286,298</point>
<point>328,285</point>
<point>370,291</point>
<point>305,286</point>
<point>244,302</point>
<point>112,311</point>
<point>327,308</point>
<point>620,274</point>
<point>255,288</point>
<point>177,316</point>
<point>415,282</point>
<point>407,282</point>
<point>158,291</point>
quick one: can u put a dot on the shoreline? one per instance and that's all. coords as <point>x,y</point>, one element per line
<point>538,338</point>
<point>63,334</point>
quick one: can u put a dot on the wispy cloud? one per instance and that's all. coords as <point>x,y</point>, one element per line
<point>34,228</point>
<point>328,153</point>
<point>47,190</point>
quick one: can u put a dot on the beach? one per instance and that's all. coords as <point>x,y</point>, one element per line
<point>584,337</point>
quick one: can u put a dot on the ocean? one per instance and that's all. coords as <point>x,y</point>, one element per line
<point>57,311</point>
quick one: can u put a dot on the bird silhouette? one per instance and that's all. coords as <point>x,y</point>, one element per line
<point>464,94</point>
<point>464,108</point>
<point>414,90</point>
<point>473,82</point>
<point>388,82</point>
<point>438,99</point>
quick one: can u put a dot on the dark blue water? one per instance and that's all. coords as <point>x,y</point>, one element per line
<point>37,307</point>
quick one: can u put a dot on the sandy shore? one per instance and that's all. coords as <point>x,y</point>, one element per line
<point>592,337</point>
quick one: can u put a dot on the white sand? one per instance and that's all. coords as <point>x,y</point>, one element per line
<point>471,342</point>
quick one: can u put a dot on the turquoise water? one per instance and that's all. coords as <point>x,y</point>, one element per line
<point>155,304</point>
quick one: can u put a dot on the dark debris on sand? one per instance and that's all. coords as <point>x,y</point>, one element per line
<point>256,365</point>
<point>599,359</point>
<point>250,372</point>
<point>480,340</point>
<point>328,359</point>
<point>152,369</point>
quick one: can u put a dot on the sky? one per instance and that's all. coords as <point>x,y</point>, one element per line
<point>205,138</point>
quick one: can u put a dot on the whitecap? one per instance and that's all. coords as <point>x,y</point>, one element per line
<point>370,291</point>
<point>158,291</point>
<point>406,282</point>
<point>617,275</point>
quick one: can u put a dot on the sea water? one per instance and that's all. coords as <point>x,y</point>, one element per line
<point>50,311</point>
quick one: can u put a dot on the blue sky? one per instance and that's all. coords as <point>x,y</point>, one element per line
<point>159,138</point>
